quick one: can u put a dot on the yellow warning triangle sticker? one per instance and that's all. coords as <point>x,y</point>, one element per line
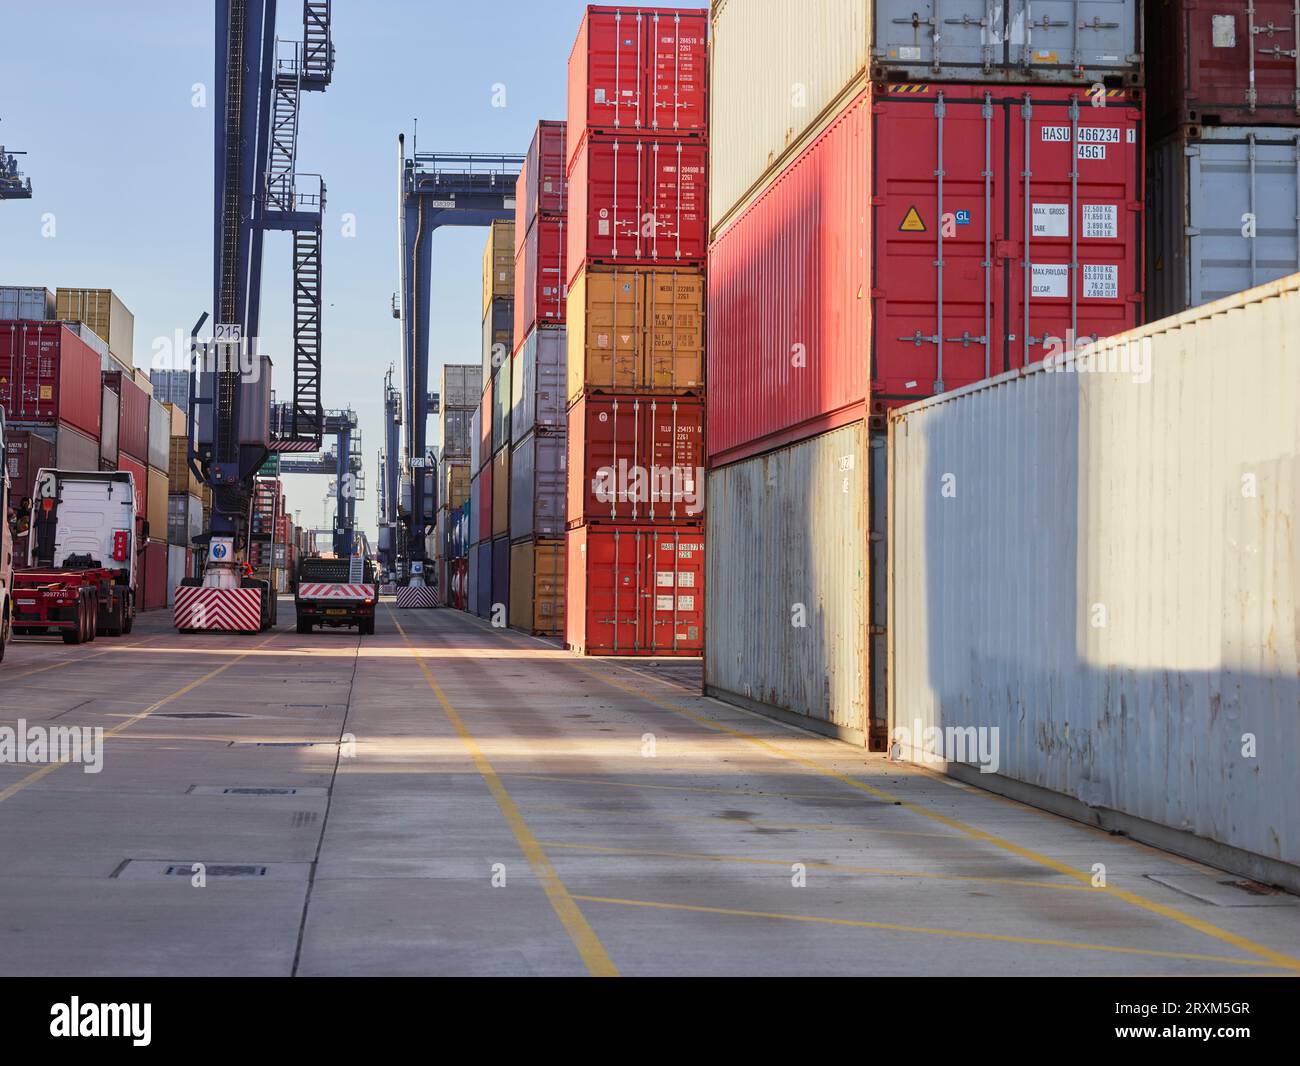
<point>912,222</point>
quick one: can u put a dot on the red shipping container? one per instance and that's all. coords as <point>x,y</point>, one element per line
<point>26,454</point>
<point>485,427</point>
<point>47,375</point>
<point>639,70</point>
<point>141,476</point>
<point>133,415</point>
<point>635,459</point>
<point>838,257</point>
<point>155,575</point>
<point>485,503</point>
<point>541,284</point>
<point>633,590</point>
<point>541,188</point>
<point>638,202</point>
<point>1222,64</point>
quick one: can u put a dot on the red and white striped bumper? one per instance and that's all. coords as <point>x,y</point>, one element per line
<point>418,596</point>
<point>335,592</point>
<point>224,610</point>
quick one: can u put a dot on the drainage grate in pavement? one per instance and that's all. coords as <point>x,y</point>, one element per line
<point>201,714</point>
<point>177,871</point>
<point>216,870</point>
<point>305,818</point>
<point>256,790</point>
<point>1226,892</point>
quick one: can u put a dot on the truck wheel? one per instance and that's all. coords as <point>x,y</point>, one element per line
<point>304,625</point>
<point>74,636</point>
<point>4,635</point>
<point>92,618</point>
<point>114,628</point>
<point>128,615</point>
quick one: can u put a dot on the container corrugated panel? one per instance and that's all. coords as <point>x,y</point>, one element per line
<point>483,601</point>
<point>1214,63</point>
<point>779,69</point>
<point>475,439</point>
<point>154,583</point>
<point>499,261</point>
<point>158,496</point>
<point>26,301</point>
<point>184,518</point>
<point>110,414</point>
<point>48,376</point>
<point>475,488</point>
<point>454,432</point>
<point>178,568</point>
<point>499,611</point>
<point>541,187</point>
<point>787,553</point>
<point>537,587</point>
<point>537,382</point>
<point>485,502</point>
<point>455,483</point>
<point>501,493</point>
<point>501,389</point>
<point>537,486</point>
<point>140,475</point>
<point>471,580</point>
<point>485,422</point>
<point>635,591</point>
<point>133,421</point>
<point>103,312</point>
<point>26,453</point>
<point>180,478</point>
<point>541,275</point>
<point>1204,191</point>
<point>790,299</point>
<point>1099,559</point>
<point>498,335</point>
<point>160,435</point>
<point>462,384</point>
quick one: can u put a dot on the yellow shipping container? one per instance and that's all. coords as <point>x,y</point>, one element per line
<point>178,419</point>
<point>179,476</point>
<point>537,587</point>
<point>636,330</point>
<point>156,504</point>
<point>455,484</point>
<point>498,262</point>
<point>104,313</point>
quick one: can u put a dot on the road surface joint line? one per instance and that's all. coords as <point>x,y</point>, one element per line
<point>960,934</point>
<point>1275,958</point>
<point>584,938</point>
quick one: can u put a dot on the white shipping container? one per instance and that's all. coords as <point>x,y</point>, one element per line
<point>462,385</point>
<point>160,430</point>
<point>785,569</point>
<point>1100,562</point>
<point>779,69</point>
<point>177,570</point>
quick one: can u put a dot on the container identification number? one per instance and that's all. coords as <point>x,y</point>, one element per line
<point>1086,134</point>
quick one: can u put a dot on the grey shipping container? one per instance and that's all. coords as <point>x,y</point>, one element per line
<point>109,415</point>
<point>537,381</point>
<point>786,614</point>
<point>462,385</point>
<point>483,601</point>
<point>454,432</point>
<point>1094,579</point>
<point>73,449</point>
<point>21,301</point>
<point>501,407</point>
<point>254,410</point>
<point>160,439</point>
<point>1222,206</point>
<point>475,487</point>
<point>184,518</point>
<point>475,439</point>
<point>498,335</point>
<point>537,486</point>
<point>171,386</point>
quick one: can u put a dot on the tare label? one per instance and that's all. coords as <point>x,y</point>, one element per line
<point>1100,281</point>
<point>1051,220</point>
<point>1049,279</point>
<point>1100,220</point>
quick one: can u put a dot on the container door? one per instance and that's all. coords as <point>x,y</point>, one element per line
<point>672,601</point>
<point>1242,190</point>
<point>616,586</point>
<point>1075,233</point>
<point>940,34</point>
<point>611,451</point>
<point>938,245</point>
<point>1240,65</point>
<point>1054,38</point>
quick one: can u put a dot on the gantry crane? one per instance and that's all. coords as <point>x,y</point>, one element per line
<point>257,92</point>
<point>344,464</point>
<point>434,190</point>
<point>13,186</point>
<point>391,544</point>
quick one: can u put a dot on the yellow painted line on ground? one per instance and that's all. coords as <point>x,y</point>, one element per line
<point>959,934</point>
<point>584,938</point>
<point>758,823</point>
<point>685,788</point>
<point>834,867</point>
<point>1275,958</point>
<point>49,768</point>
<point>66,662</point>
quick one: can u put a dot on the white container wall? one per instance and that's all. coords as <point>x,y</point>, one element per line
<point>786,580</point>
<point>778,70</point>
<point>1104,567</point>
<point>160,429</point>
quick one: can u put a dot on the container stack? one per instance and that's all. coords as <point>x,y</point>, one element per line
<point>268,533</point>
<point>184,502</point>
<point>461,387</point>
<point>157,563</point>
<point>1224,110</point>
<point>537,457</point>
<point>637,167</point>
<point>898,209</point>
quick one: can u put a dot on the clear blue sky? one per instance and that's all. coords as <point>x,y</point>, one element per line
<point>99,94</point>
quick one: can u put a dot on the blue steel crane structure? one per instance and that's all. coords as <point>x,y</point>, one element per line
<point>344,464</point>
<point>257,91</point>
<point>390,492</point>
<point>434,189</point>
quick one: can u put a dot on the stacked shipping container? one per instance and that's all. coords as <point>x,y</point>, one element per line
<point>900,204</point>
<point>458,421</point>
<point>637,169</point>
<point>537,455</point>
